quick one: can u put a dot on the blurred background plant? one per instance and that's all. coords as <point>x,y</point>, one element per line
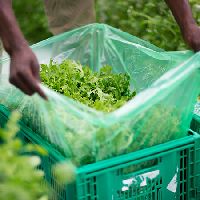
<point>19,178</point>
<point>32,19</point>
<point>147,19</point>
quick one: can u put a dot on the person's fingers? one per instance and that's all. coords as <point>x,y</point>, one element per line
<point>32,83</point>
<point>39,90</point>
<point>197,50</point>
<point>21,85</point>
<point>196,47</point>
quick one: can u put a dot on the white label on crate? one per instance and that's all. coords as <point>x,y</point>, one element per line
<point>172,186</point>
<point>142,179</point>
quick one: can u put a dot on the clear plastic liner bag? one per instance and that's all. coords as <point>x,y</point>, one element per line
<point>167,85</point>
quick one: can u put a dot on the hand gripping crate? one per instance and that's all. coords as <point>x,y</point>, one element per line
<point>170,171</point>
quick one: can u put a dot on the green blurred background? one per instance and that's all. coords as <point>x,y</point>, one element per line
<point>147,19</point>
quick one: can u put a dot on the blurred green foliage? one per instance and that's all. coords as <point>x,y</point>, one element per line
<point>19,178</point>
<point>32,19</point>
<point>147,19</point>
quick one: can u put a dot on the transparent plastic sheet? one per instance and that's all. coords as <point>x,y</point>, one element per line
<point>197,108</point>
<point>167,85</point>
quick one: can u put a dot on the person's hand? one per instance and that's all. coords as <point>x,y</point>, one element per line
<point>191,36</point>
<point>24,71</point>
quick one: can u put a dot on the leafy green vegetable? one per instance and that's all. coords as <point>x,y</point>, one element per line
<point>19,178</point>
<point>102,90</point>
<point>106,91</point>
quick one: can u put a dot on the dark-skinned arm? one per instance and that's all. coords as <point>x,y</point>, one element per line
<point>183,14</point>
<point>24,67</point>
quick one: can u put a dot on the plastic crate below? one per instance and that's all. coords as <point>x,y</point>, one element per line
<point>170,171</point>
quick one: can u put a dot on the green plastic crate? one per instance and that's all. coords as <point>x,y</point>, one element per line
<point>104,180</point>
<point>170,171</point>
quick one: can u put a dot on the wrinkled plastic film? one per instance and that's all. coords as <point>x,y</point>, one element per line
<point>197,109</point>
<point>166,83</point>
